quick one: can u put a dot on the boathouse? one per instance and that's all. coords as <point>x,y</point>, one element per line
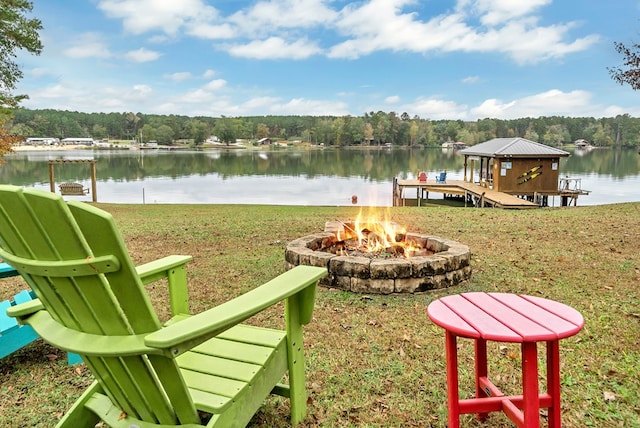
<point>515,166</point>
<point>511,173</point>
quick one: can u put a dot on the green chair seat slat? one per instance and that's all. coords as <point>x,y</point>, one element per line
<point>218,366</point>
<point>218,371</point>
<point>208,402</point>
<point>224,387</point>
<point>239,351</point>
<point>255,335</point>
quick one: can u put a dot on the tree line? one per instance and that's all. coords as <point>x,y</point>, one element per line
<point>373,128</point>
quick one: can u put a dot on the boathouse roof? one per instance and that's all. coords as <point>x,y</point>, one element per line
<point>513,147</point>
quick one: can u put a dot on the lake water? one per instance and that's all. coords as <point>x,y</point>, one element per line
<point>290,177</point>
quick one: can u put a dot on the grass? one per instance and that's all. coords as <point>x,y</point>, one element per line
<point>378,361</point>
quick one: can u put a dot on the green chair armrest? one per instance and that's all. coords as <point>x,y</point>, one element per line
<point>83,343</point>
<point>157,269</point>
<point>25,309</point>
<point>181,336</point>
<point>172,268</point>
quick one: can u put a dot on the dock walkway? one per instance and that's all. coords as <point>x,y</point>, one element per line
<point>478,195</point>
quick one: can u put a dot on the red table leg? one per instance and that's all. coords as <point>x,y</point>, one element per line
<point>530,393</point>
<point>481,371</point>
<point>452,380</point>
<point>553,382</point>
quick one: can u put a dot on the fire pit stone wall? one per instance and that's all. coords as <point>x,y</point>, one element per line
<point>447,264</point>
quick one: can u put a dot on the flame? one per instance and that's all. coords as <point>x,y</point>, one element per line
<point>375,232</point>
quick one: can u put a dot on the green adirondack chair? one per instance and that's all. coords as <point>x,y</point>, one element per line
<point>202,370</point>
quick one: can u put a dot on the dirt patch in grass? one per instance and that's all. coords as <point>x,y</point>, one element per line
<point>378,360</point>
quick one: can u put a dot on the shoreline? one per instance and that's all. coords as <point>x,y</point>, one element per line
<point>24,148</point>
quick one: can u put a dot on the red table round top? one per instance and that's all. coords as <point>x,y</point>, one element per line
<point>505,317</point>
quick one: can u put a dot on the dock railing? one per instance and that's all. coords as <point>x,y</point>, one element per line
<point>570,185</point>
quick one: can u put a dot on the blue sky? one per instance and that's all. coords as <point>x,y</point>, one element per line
<point>437,59</point>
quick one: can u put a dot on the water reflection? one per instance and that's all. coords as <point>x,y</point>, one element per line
<point>286,177</point>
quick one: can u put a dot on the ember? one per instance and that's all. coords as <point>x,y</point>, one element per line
<point>372,237</point>
<point>384,241</point>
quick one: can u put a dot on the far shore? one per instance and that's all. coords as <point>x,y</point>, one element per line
<point>26,148</point>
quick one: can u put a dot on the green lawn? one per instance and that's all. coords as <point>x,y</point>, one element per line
<point>378,360</point>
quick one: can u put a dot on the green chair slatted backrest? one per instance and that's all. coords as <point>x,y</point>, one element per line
<point>95,290</point>
<point>92,301</point>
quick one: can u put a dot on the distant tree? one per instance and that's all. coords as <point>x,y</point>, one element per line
<point>556,135</point>
<point>17,32</point>
<point>7,140</point>
<point>225,130</point>
<point>413,132</point>
<point>21,129</point>
<point>98,131</point>
<point>200,132</point>
<point>163,133</point>
<point>338,131</point>
<point>147,133</point>
<point>531,134</point>
<point>629,72</point>
<point>262,131</point>
<point>368,133</point>
<point>131,123</point>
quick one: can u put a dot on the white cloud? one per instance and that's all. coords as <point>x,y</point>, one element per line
<point>549,103</point>
<point>301,106</point>
<point>39,71</point>
<point>267,28</point>
<point>471,79</point>
<point>215,85</point>
<point>494,12</point>
<point>435,109</point>
<point>88,45</point>
<point>138,92</point>
<point>517,32</point>
<point>204,30</point>
<point>527,43</point>
<point>554,102</point>
<point>141,16</point>
<point>57,91</point>
<point>275,15</point>
<point>275,48</point>
<point>179,76</point>
<point>392,99</point>
<point>208,74</point>
<point>142,55</point>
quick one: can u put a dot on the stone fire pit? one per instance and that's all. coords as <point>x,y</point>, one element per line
<point>441,263</point>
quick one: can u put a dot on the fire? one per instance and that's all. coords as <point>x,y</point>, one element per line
<point>377,235</point>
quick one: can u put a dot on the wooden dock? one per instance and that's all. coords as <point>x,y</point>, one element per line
<point>473,194</point>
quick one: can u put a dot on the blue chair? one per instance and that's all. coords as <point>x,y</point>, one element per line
<point>14,336</point>
<point>442,178</point>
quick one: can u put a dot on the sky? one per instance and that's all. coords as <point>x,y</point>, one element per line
<point>435,59</point>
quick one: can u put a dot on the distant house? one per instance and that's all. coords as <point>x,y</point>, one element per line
<point>264,141</point>
<point>458,145</point>
<point>582,144</point>
<point>78,141</point>
<point>514,165</point>
<point>38,141</point>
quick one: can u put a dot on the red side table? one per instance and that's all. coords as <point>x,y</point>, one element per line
<point>503,317</point>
